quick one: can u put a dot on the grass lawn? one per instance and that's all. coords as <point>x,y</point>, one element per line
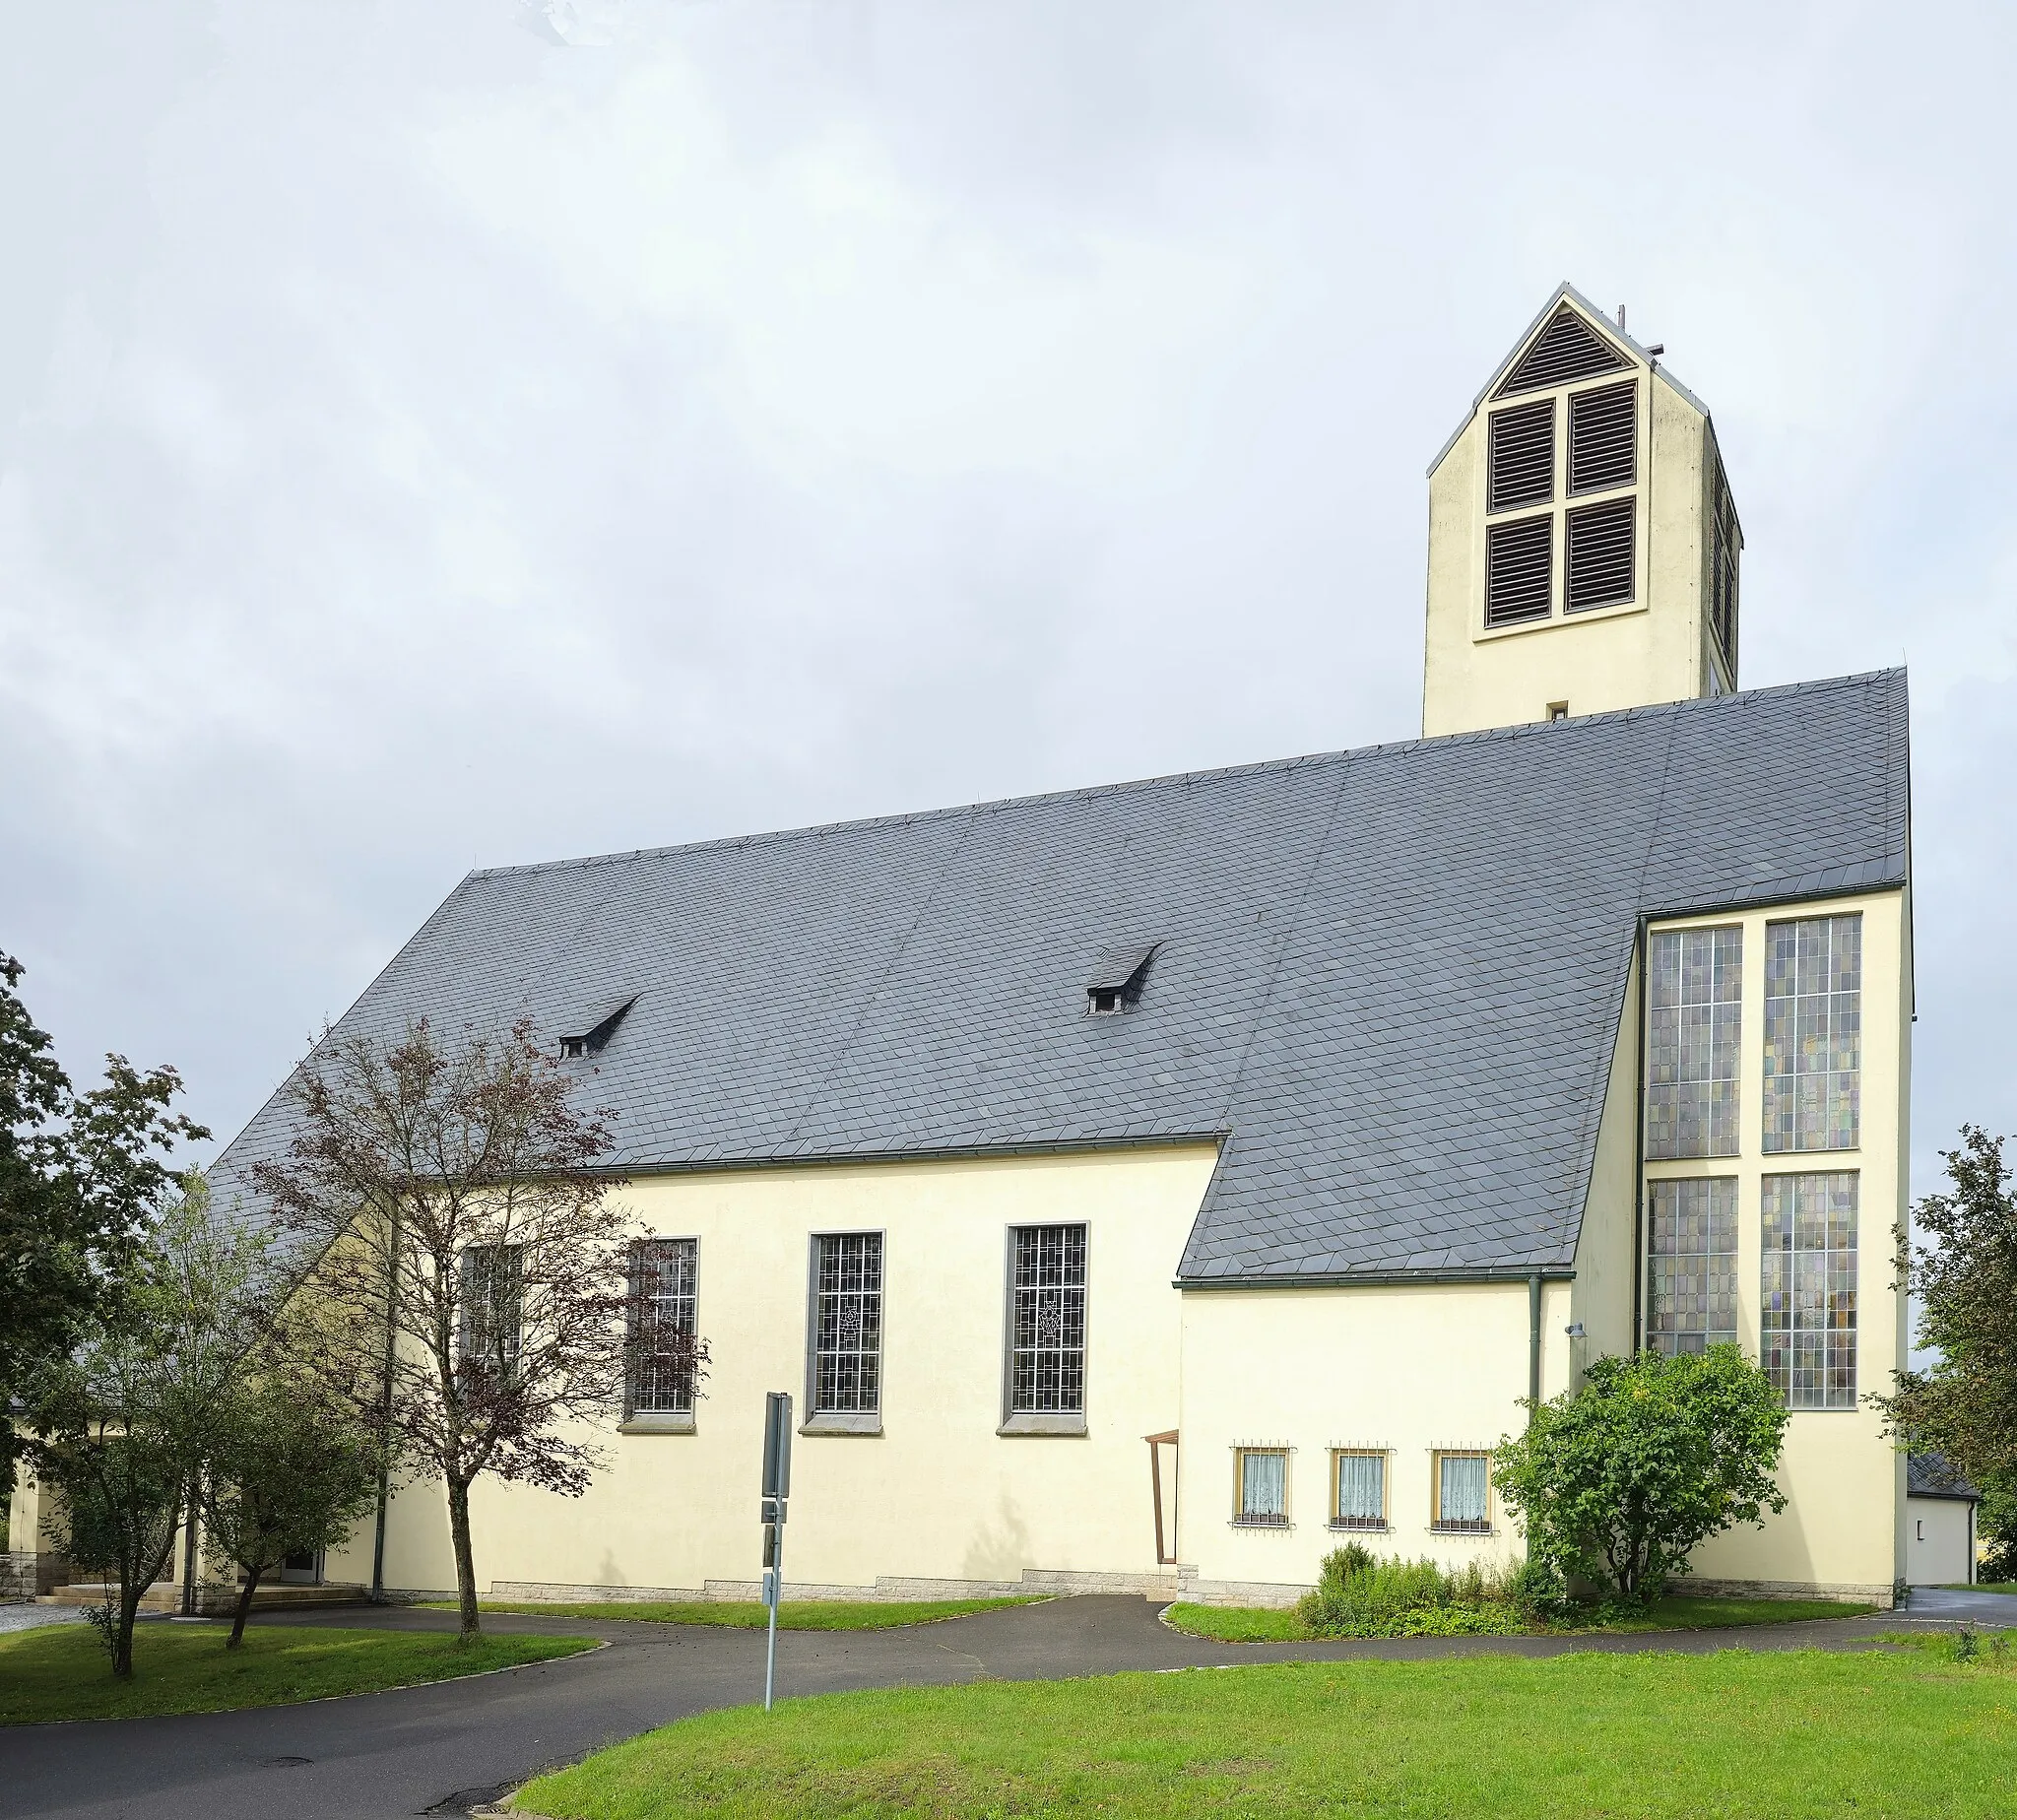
<point>1985,1585</point>
<point>63,1672</point>
<point>1900,1733</point>
<point>1256,1624</point>
<point>747,1614</point>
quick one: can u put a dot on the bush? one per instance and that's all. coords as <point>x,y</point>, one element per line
<point>1618,1481</point>
<point>1358,1594</point>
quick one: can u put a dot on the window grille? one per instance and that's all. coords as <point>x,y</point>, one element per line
<point>1566,351</point>
<point>492,1313</point>
<point>1047,1369</point>
<point>1604,437</point>
<point>847,1342</point>
<point>1361,1489</point>
<point>1691,1264</point>
<point>1521,456</point>
<point>1809,1287</point>
<point>1263,1474</point>
<point>1463,1492</point>
<point>1694,1013</point>
<point>660,1379</point>
<point>1814,1034</point>
<point>1519,570</point>
<point>1598,554</point>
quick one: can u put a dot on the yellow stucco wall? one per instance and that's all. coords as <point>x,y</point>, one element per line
<point>1843,1526</point>
<point>1648,650</point>
<point>939,1494</point>
<point>1607,1250</point>
<point>1406,1369</point>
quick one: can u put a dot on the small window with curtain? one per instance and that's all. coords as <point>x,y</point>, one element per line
<point>1462,1493</point>
<point>659,1378</point>
<point>1359,1480</point>
<point>492,1313</point>
<point>1261,1488</point>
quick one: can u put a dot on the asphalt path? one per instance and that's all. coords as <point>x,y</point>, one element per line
<point>454,1745</point>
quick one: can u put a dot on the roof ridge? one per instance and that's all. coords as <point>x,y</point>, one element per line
<point>1385,748</point>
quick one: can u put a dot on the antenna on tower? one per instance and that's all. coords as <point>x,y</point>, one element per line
<point>1621,319</point>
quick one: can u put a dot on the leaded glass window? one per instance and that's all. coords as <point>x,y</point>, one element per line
<point>492,1312</point>
<point>1463,1491</point>
<point>1691,1264</point>
<point>847,1324</point>
<point>1814,1034</point>
<point>1695,979</point>
<point>1047,1369</point>
<point>1361,1489</point>
<point>1263,1487</point>
<point>662,1321</point>
<point>1809,1288</point>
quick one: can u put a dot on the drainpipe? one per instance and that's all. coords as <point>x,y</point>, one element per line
<point>1532,1345</point>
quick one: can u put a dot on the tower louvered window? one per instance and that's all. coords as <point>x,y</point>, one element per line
<point>1522,456</point>
<point>1726,539</point>
<point>1519,569</point>
<point>1567,350</point>
<point>1598,555</point>
<point>1604,437</point>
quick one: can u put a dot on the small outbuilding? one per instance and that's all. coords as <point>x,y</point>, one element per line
<point>1939,1523</point>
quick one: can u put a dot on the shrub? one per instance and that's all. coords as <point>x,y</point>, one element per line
<point>1358,1594</point>
<point>1618,1481</point>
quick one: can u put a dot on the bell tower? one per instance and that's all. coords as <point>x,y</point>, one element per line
<point>1583,542</point>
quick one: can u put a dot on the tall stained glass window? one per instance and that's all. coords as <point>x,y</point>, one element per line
<point>1691,1266</point>
<point>663,1362</point>
<point>1814,1034</point>
<point>1047,1369</point>
<point>1695,981</point>
<point>847,1325</point>
<point>1809,1288</point>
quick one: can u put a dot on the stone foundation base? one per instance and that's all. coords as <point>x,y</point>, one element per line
<point>26,1574</point>
<point>1848,1592</point>
<point>1172,1583</point>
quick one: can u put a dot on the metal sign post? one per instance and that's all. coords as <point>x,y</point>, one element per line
<point>777,1489</point>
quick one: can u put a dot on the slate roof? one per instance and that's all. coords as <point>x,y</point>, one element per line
<point>1388,980</point>
<point>1929,1475</point>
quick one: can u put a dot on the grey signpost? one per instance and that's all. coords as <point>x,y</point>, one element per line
<point>777,1489</point>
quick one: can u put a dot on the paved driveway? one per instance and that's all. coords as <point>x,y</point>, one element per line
<point>443,1748</point>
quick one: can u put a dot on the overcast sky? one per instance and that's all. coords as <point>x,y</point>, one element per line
<point>477,432</point>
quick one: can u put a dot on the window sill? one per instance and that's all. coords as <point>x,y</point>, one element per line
<point>1276,1525</point>
<point>843,1422</point>
<point>1045,1422</point>
<point>1555,620</point>
<point>1357,1527</point>
<point>658,1423</point>
<point>1462,1528</point>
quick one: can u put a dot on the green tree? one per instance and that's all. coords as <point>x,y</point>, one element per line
<point>290,1467</point>
<point>80,1175</point>
<point>124,1420</point>
<point>471,1257</point>
<point>1619,1481</point>
<point>1965,1281</point>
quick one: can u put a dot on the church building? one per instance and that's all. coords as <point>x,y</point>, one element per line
<point>1150,1187</point>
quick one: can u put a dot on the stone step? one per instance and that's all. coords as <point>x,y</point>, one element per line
<point>213,1598</point>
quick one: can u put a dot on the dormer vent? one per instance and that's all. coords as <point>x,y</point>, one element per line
<point>1567,350</point>
<point>1114,984</point>
<point>589,1034</point>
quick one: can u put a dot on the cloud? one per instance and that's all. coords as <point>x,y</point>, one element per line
<point>495,432</point>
